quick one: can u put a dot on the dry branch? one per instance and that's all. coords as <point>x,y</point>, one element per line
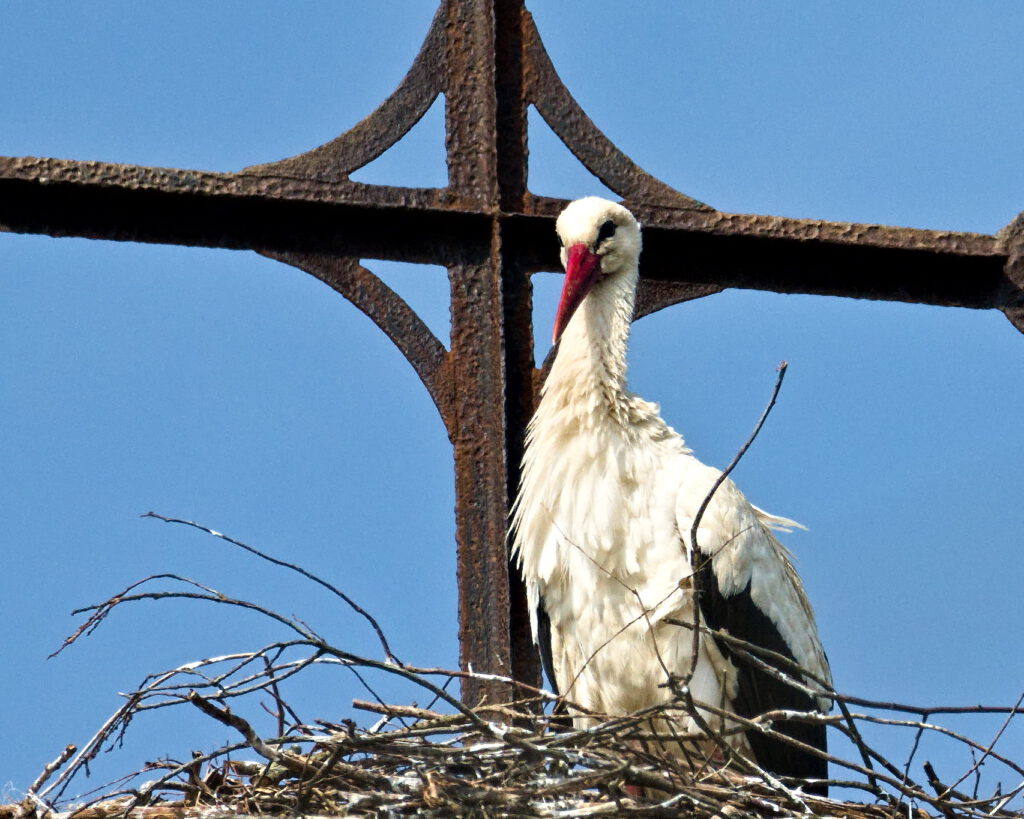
<point>497,759</point>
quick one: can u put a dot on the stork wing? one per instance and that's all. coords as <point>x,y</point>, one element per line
<point>749,589</point>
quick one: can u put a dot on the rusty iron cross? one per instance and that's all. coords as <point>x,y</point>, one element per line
<point>491,233</point>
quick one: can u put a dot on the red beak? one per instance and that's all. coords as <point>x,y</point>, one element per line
<point>582,268</point>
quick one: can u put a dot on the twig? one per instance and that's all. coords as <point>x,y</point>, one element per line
<point>52,767</point>
<point>403,711</point>
<point>695,553</point>
<point>989,750</point>
<point>253,740</point>
<point>295,568</point>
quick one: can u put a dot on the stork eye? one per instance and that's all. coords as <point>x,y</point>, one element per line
<point>606,232</point>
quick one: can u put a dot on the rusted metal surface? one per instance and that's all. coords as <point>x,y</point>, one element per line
<point>246,210</point>
<point>512,24</point>
<point>480,426</point>
<point>491,233</point>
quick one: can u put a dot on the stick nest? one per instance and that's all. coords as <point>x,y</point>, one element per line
<point>495,759</point>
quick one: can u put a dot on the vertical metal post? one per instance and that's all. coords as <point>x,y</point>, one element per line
<point>511,20</point>
<point>487,164</point>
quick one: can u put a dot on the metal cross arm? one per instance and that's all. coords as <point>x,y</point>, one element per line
<point>258,209</point>
<point>490,232</point>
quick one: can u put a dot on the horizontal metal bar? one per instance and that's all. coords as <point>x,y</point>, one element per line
<point>781,227</point>
<point>263,181</point>
<point>275,213</point>
<point>821,267</point>
<point>125,203</point>
<point>798,255</point>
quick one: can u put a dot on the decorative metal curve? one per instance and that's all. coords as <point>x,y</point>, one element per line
<point>390,312</point>
<point>653,295</point>
<point>385,126</point>
<point>1016,316</point>
<point>1011,240</point>
<point>599,155</point>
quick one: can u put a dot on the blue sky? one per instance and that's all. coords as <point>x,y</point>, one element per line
<point>226,388</point>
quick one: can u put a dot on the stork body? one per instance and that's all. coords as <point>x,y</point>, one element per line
<point>602,527</point>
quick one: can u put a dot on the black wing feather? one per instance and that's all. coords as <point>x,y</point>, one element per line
<point>544,644</point>
<point>757,691</point>
<point>547,661</point>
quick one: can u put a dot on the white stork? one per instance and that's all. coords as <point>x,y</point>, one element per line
<point>602,523</point>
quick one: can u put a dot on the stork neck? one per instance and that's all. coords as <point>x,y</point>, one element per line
<point>592,353</point>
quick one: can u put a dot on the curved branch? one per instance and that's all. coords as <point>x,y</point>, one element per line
<point>389,312</point>
<point>580,135</point>
<point>392,120</point>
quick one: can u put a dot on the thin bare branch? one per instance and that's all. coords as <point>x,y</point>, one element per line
<point>388,653</point>
<point>695,553</point>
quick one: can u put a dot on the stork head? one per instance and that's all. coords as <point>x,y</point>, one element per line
<point>600,239</point>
